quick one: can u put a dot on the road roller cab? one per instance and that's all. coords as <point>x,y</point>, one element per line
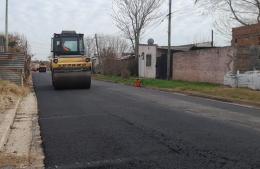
<point>69,66</point>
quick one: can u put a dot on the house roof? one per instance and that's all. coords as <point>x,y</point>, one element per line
<point>188,47</point>
<point>184,48</point>
<point>147,45</point>
<point>178,48</point>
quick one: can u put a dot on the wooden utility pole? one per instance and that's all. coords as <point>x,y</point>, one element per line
<point>212,38</point>
<point>96,38</point>
<point>6,27</point>
<point>169,42</point>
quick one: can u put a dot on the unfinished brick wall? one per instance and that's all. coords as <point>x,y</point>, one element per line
<point>246,41</point>
<point>206,65</point>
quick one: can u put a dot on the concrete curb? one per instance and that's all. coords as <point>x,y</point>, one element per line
<point>5,127</point>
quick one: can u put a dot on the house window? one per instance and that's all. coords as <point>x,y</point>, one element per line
<point>148,60</point>
<point>142,56</point>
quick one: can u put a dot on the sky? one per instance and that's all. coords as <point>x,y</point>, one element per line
<point>39,19</point>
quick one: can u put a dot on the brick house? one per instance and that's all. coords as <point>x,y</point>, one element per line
<point>246,41</point>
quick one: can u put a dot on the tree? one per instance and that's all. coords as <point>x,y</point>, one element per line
<point>115,43</point>
<point>110,47</point>
<point>230,13</point>
<point>118,44</point>
<point>133,16</point>
<point>111,51</point>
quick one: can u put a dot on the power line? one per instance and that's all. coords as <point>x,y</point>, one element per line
<point>154,27</point>
<point>160,22</point>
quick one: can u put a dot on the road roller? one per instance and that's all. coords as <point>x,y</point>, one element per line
<point>42,68</point>
<point>70,67</point>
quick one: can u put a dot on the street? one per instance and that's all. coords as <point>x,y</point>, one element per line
<point>112,126</point>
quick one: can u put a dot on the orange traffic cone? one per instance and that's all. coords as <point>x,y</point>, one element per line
<point>138,83</point>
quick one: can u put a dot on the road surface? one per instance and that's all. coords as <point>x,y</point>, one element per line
<point>113,126</point>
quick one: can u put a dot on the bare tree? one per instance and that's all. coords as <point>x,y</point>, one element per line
<point>133,16</point>
<point>231,13</point>
<point>118,44</point>
<point>90,46</point>
<point>111,51</point>
<point>115,43</point>
<point>109,46</point>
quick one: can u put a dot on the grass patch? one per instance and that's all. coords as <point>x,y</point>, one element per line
<point>115,79</point>
<point>241,95</point>
<point>178,85</point>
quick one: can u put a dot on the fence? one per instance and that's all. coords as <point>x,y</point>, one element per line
<point>205,65</point>
<point>249,79</point>
<point>2,43</point>
<point>12,67</point>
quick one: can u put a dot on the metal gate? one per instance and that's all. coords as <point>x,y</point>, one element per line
<point>161,67</point>
<point>12,67</point>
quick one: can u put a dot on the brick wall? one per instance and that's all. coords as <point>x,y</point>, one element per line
<point>246,41</point>
<point>206,65</point>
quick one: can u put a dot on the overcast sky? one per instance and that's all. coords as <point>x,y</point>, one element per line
<point>39,19</point>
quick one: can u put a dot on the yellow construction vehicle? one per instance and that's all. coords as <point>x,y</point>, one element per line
<point>70,67</point>
<point>42,68</point>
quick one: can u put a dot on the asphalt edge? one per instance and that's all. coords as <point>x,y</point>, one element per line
<point>210,97</point>
<point>8,123</point>
<point>221,99</point>
<point>36,157</point>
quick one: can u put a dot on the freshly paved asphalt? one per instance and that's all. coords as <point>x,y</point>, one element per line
<point>113,126</point>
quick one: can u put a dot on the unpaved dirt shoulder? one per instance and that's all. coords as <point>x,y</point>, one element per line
<point>23,148</point>
<point>9,93</point>
<point>6,122</point>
